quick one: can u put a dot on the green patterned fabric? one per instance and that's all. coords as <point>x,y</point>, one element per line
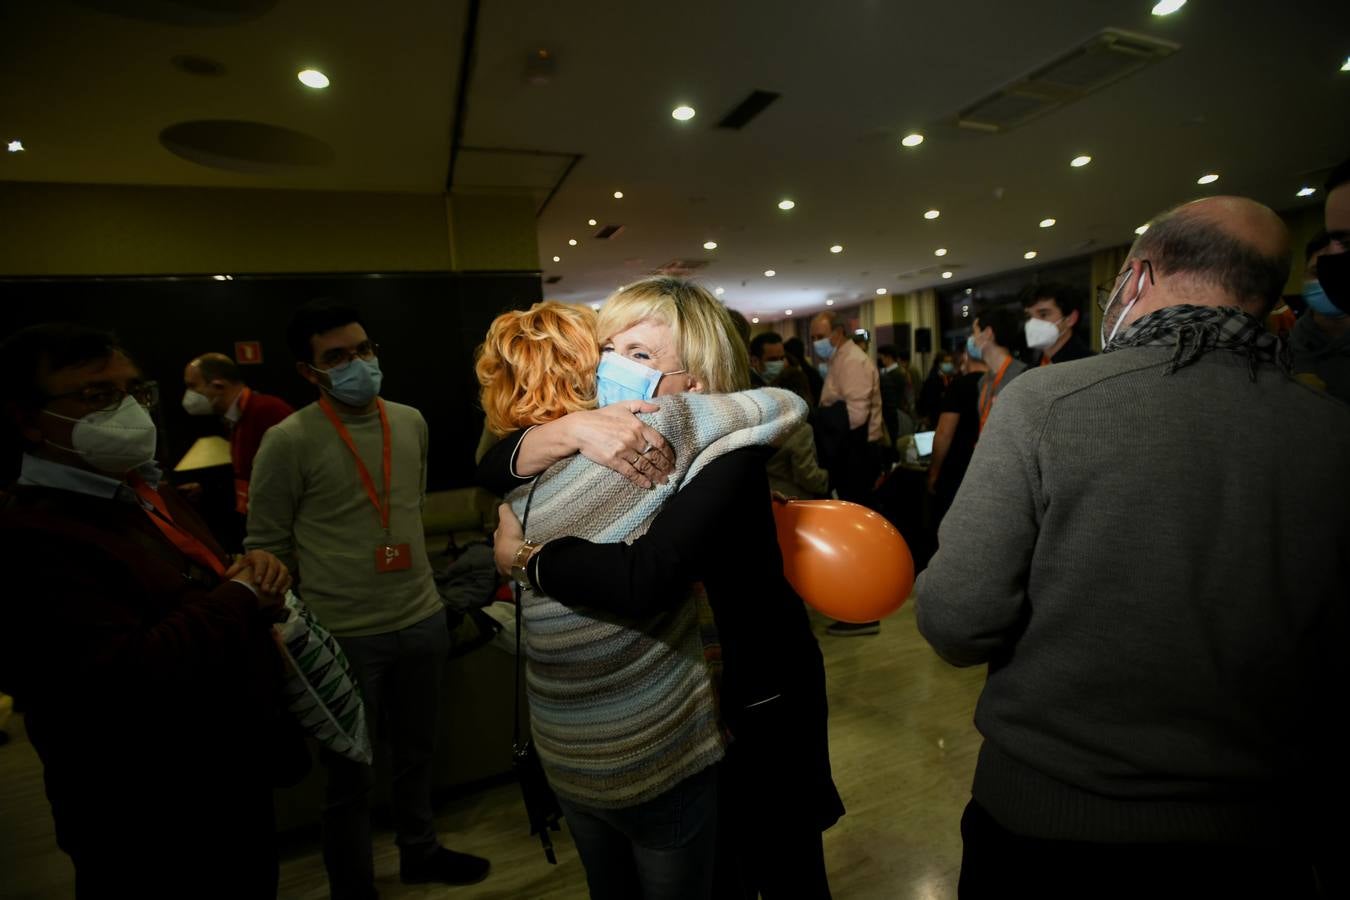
<point>321,691</point>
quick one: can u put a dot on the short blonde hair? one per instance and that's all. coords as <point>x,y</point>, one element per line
<point>537,366</point>
<point>709,347</point>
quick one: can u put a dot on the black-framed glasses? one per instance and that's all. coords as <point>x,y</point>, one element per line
<point>106,397</point>
<point>338,356</point>
<point>1107,289</point>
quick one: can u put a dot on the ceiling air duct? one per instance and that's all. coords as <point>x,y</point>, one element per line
<point>1104,59</point>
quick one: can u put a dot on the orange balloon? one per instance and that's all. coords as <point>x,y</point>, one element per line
<point>843,559</point>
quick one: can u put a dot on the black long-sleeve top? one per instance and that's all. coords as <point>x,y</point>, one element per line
<point>718,530</point>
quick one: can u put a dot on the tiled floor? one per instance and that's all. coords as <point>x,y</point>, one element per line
<point>903,748</point>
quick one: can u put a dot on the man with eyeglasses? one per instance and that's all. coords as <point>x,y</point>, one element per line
<point>144,659</point>
<point>1159,596</point>
<point>337,491</point>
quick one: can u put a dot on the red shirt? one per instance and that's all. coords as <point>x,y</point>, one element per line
<point>257,413</point>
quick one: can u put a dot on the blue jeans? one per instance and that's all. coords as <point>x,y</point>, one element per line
<point>399,674</point>
<point>659,850</point>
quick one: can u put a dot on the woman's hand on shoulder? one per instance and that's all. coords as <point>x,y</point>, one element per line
<point>616,438</point>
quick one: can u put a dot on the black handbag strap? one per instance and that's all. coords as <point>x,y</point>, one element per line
<point>520,659</point>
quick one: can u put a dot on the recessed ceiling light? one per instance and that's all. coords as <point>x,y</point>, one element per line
<point>220,277</point>
<point>15,146</point>
<point>946,274</point>
<point>312,78</point>
<point>786,204</point>
<point>572,242</point>
<point>1079,161</point>
<point>1209,178</point>
<point>941,251</point>
<point>1306,192</point>
<point>1047,223</point>
<point>710,245</point>
<point>1141,229</point>
<point>557,259</point>
<point>787,312</point>
<point>912,140</point>
<point>881,290</point>
<point>769,273</point>
<point>720,291</point>
<point>592,222</point>
<point>1030,254</point>
<point>1167,7</point>
<point>754,320</point>
<point>682,113</point>
<point>596,306</point>
<point>618,195</point>
<point>837,248</point>
<point>829,303</point>
<point>969,291</point>
<point>932,214</point>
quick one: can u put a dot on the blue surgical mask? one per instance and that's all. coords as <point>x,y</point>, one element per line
<point>973,349</point>
<point>824,349</point>
<point>355,384</point>
<point>1319,302</point>
<point>773,368</point>
<point>619,378</point>
<point>946,368</point>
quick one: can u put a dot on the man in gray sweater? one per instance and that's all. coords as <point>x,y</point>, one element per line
<point>1151,552</point>
<point>337,493</point>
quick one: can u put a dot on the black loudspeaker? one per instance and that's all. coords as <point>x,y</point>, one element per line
<point>923,340</point>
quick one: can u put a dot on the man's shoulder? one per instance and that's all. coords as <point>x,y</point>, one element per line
<point>402,413</point>
<point>1040,387</point>
<point>298,427</point>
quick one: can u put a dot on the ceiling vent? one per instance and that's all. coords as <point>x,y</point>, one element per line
<point>748,109</point>
<point>608,232</point>
<point>1104,59</point>
<point>682,268</point>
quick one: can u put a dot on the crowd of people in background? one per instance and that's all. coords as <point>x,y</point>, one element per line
<point>1157,590</point>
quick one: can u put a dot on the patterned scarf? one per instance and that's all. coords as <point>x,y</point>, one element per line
<point>1194,331</point>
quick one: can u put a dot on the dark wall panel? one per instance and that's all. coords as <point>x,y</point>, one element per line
<point>427,325</point>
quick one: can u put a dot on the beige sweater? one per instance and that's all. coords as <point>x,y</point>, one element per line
<point>307,505</point>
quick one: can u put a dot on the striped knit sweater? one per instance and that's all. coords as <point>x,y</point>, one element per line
<point>623,710</point>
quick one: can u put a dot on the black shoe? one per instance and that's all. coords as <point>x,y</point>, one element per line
<point>444,866</point>
<point>853,629</point>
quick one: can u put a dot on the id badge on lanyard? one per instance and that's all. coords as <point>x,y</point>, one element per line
<point>389,557</point>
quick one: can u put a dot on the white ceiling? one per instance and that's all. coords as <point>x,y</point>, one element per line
<point>1254,94</point>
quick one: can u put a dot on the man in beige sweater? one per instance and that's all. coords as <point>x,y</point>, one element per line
<point>337,493</point>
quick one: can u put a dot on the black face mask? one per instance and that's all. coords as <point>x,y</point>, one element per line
<point>1333,271</point>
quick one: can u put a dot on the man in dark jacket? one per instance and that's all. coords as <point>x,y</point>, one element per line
<point>144,660</point>
<point>1052,314</point>
<point>1320,340</point>
<point>1159,596</point>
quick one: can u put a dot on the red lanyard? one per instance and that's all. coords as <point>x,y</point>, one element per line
<point>186,542</point>
<point>381,508</point>
<point>987,392</point>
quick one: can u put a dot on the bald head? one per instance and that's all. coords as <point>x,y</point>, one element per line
<point>216,377</point>
<point>824,325</point>
<point>1221,251</point>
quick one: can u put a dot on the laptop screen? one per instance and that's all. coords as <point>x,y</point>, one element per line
<point>923,443</point>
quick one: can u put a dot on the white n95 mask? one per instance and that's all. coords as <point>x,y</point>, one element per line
<point>113,440</point>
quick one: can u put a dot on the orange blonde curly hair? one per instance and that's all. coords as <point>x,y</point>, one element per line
<point>537,366</point>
